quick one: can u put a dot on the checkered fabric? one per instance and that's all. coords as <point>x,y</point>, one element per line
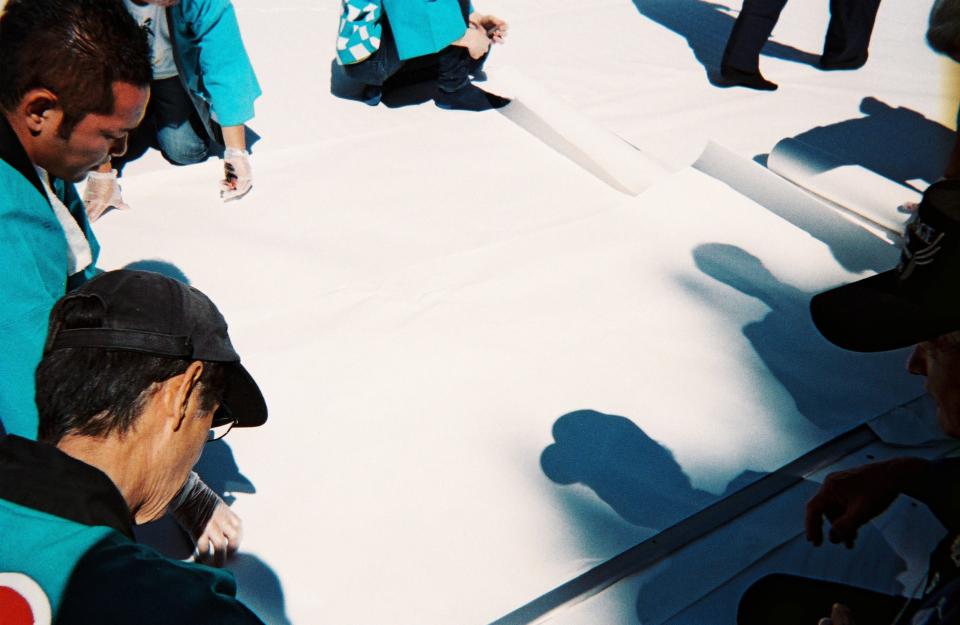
<point>359,30</point>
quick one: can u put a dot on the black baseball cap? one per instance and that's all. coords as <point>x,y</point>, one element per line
<point>918,300</point>
<point>152,314</point>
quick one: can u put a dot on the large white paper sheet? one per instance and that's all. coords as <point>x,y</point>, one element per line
<point>431,300</point>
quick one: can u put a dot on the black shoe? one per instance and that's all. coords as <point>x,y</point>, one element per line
<point>750,80</point>
<point>469,98</point>
<point>833,64</point>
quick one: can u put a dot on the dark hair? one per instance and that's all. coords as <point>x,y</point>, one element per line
<point>75,48</point>
<point>91,391</point>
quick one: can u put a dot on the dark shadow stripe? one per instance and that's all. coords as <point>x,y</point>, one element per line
<point>677,536</point>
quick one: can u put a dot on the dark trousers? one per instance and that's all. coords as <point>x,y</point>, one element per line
<point>171,124</point>
<point>792,600</point>
<point>847,40</point>
<point>451,67</point>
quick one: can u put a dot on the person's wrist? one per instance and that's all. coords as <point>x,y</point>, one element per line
<point>464,41</point>
<point>234,152</point>
<point>103,175</point>
<point>904,472</point>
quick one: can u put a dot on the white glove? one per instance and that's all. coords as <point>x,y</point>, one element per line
<point>214,527</point>
<point>237,174</point>
<point>101,193</point>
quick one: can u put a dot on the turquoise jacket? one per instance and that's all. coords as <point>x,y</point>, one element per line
<point>212,61</point>
<point>67,545</point>
<point>422,27</point>
<point>33,254</point>
<point>46,550</point>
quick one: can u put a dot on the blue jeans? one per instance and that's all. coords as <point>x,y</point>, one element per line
<point>171,125</point>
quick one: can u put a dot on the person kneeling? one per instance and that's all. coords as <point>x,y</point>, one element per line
<point>404,41</point>
<point>137,373</point>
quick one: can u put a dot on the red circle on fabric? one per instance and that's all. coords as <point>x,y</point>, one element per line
<point>14,608</point>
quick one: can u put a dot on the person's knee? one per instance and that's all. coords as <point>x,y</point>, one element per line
<point>182,146</point>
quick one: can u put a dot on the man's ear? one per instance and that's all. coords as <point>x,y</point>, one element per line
<point>185,389</point>
<point>40,109</point>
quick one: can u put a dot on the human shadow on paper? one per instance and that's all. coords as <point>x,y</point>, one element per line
<point>632,473</point>
<point>257,584</point>
<point>706,27</point>
<point>833,388</point>
<point>641,481</point>
<point>897,143</point>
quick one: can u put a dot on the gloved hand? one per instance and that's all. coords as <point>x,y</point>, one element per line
<point>214,527</point>
<point>102,192</point>
<point>237,174</point>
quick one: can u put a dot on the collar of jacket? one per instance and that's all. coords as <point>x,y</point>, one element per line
<point>12,152</point>
<point>40,476</point>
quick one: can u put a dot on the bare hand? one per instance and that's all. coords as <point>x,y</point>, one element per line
<point>495,27</point>
<point>849,499</point>
<point>220,538</point>
<point>476,42</point>
<point>839,615</point>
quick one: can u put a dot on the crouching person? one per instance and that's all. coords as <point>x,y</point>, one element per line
<point>916,303</point>
<point>138,372</point>
<point>388,43</point>
<point>202,95</point>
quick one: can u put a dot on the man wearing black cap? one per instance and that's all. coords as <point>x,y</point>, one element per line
<point>138,372</point>
<point>917,303</point>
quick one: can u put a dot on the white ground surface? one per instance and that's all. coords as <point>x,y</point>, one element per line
<point>423,294</point>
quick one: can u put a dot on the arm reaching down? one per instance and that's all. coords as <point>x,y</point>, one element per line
<point>214,527</point>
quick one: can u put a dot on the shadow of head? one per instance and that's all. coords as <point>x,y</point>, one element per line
<point>739,269</point>
<point>631,472</point>
<point>218,468</point>
<point>162,267</point>
<point>894,141</point>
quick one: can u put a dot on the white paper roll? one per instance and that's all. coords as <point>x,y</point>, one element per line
<point>851,187</point>
<point>571,133</point>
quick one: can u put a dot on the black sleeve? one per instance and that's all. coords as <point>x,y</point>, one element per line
<point>939,489</point>
<point>119,582</point>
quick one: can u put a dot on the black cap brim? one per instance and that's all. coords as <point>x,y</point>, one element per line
<point>871,315</point>
<point>243,400</point>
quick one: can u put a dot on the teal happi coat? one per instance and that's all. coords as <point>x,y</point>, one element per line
<point>33,254</point>
<point>422,27</point>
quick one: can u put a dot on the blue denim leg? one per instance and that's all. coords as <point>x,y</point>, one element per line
<point>180,135</point>
<point>453,69</point>
<point>382,64</point>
